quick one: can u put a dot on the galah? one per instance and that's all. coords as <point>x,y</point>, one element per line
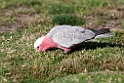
<point>66,37</point>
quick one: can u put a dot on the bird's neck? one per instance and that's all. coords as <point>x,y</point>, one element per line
<point>50,42</point>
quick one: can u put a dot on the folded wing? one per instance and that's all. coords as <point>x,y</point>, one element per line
<point>68,36</point>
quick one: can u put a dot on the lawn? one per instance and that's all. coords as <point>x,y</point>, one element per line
<point>95,61</point>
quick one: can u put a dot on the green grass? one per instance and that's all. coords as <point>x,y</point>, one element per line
<point>63,19</point>
<point>98,60</point>
<point>120,1</point>
<point>94,77</point>
<point>61,8</point>
<point>122,24</point>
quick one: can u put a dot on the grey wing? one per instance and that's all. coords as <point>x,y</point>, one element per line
<point>56,29</point>
<point>70,36</point>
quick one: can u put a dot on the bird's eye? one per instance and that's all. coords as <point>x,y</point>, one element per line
<point>37,47</point>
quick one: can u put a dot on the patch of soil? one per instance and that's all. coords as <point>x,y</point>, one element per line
<point>106,17</point>
<point>22,17</point>
<point>9,27</point>
<point>98,18</point>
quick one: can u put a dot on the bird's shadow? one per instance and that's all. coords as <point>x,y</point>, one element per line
<point>92,45</point>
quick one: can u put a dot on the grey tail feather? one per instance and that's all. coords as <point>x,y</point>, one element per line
<point>104,32</point>
<point>104,35</point>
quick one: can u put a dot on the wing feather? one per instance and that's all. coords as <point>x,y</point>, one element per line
<point>68,36</point>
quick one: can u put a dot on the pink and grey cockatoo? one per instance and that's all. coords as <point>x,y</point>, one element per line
<point>66,37</point>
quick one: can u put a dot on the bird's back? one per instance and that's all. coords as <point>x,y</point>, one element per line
<point>67,36</point>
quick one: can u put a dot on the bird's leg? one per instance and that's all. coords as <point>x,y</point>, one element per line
<point>65,50</point>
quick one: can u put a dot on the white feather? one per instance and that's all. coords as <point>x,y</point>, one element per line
<point>38,42</point>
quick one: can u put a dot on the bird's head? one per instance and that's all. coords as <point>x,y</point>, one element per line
<point>44,43</point>
<point>38,43</point>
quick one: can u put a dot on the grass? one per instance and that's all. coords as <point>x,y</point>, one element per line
<point>89,77</point>
<point>98,60</point>
<point>61,8</point>
<point>67,19</point>
<point>122,24</point>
